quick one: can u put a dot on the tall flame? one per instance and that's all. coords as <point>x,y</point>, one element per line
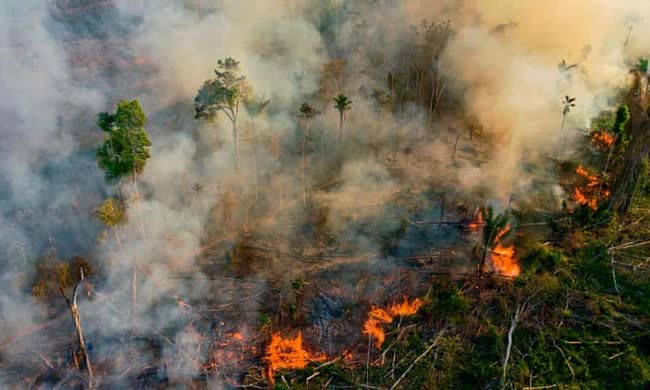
<point>378,316</point>
<point>503,256</point>
<point>589,194</point>
<point>287,353</point>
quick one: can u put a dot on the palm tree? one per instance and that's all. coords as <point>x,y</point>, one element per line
<point>567,103</point>
<point>342,104</point>
<point>307,113</point>
<point>493,230</point>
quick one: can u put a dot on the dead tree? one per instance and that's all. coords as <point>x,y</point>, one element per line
<point>76,319</point>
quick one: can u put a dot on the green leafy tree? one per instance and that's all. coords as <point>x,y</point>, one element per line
<point>622,117</point>
<point>225,93</point>
<point>342,104</point>
<point>495,225</point>
<point>125,150</point>
<point>112,214</point>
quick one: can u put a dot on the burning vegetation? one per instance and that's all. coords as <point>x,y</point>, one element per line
<point>378,317</point>
<point>592,192</point>
<point>503,257</point>
<point>245,222</point>
<point>287,354</point>
<point>603,139</point>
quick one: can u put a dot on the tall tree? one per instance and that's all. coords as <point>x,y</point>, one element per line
<point>495,225</point>
<point>342,104</point>
<point>629,170</point>
<point>567,103</point>
<point>255,107</point>
<point>125,152</point>
<point>307,113</point>
<point>225,93</point>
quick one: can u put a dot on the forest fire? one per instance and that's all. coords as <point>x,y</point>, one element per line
<point>378,316</point>
<point>287,353</point>
<point>602,139</point>
<point>592,192</point>
<point>503,257</point>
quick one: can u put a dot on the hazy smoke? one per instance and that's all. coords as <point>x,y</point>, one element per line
<point>500,70</point>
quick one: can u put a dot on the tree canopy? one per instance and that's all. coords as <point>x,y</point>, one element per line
<point>223,93</point>
<point>126,147</point>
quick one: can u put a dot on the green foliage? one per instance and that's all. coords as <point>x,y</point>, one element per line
<point>447,301</point>
<point>542,259</point>
<point>622,117</point>
<point>126,146</point>
<point>255,106</point>
<point>224,93</point>
<point>297,285</point>
<point>111,212</point>
<point>307,111</point>
<point>264,320</point>
<point>342,104</point>
<point>643,65</point>
<point>494,225</point>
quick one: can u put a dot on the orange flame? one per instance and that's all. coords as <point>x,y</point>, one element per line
<point>602,139</point>
<point>378,316</point>
<point>503,257</point>
<point>287,353</point>
<point>589,194</point>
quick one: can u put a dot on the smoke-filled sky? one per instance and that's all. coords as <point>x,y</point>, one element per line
<point>58,69</point>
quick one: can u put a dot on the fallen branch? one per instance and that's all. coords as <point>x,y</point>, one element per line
<point>513,325</point>
<point>417,359</point>
<point>611,261</point>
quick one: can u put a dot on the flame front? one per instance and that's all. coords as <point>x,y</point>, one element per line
<point>378,316</point>
<point>503,257</point>
<point>287,353</point>
<point>591,193</point>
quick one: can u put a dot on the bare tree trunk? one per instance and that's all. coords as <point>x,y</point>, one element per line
<point>255,162</point>
<point>235,136</point>
<point>134,291</point>
<point>117,237</point>
<point>609,158</point>
<point>453,156</point>
<point>340,145</point>
<point>76,319</point>
<point>304,190</point>
<point>513,325</point>
<point>138,201</point>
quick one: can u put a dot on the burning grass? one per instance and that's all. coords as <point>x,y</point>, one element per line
<point>287,353</point>
<point>373,327</point>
